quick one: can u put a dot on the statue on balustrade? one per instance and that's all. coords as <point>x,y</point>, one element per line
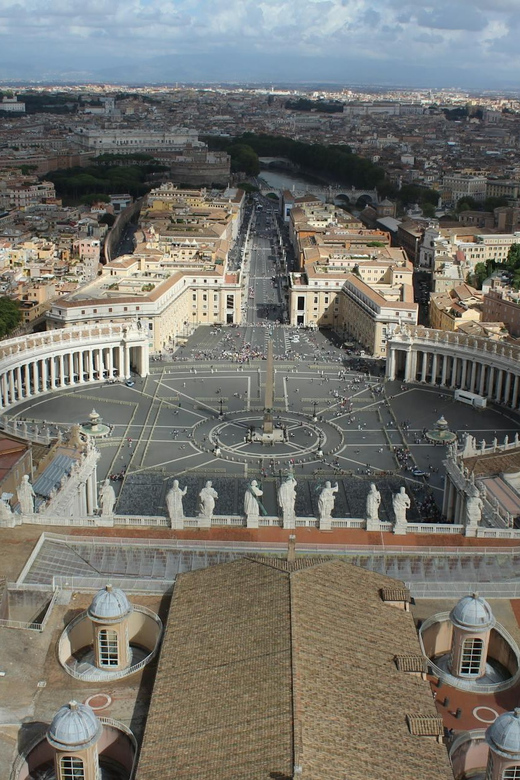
<point>473,507</point>
<point>107,499</point>
<point>174,501</point>
<point>326,501</point>
<point>401,503</point>
<point>26,496</point>
<point>372,505</point>
<point>252,503</point>
<point>207,498</point>
<point>287,498</point>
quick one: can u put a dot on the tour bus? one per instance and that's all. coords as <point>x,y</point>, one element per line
<point>473,399</point>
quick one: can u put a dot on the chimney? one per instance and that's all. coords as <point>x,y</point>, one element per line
<point>291,549</point>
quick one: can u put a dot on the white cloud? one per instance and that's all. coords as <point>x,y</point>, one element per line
<point>468,33</point>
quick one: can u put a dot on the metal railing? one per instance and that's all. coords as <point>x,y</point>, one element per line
<point>107,675</point>
<point>471,685</point>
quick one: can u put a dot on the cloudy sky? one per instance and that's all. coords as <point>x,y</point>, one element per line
<point>467,43</point>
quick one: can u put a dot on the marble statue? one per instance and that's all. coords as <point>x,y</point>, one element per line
<point>287,498</point>
<point>401,503</point>
<point>174,501</point>
<point>473,507</point>
<point>207,498</point>
<point>326,501</point>
<point>372,505</point>
<point>107,499</point>
<point>26,496</point>
<point>252,503</point>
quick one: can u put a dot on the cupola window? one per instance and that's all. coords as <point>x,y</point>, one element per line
<point>472,657</point>
<point>108,647</point>
<point>512,773</point>
<point>71,768</point>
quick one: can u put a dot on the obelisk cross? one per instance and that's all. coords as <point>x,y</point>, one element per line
<point>269,390</point>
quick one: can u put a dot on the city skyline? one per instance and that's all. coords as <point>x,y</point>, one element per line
<point>415,44</point>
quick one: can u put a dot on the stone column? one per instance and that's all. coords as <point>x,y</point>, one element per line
<point>444,370</point>
<point>482,379</point>
<point>507,390</point>
<point>498,393</point>
<point>36,377</point>
<point>424,366</point>
<point>434,369</point>
<point>514,402</point>
<point>19,382</point>
<point>127,361</point>
<point>28,389</point>
<point>454,369</point>
<point>61,370</point>
<point>45,374</point>
<point>463,374</point>
<point>53,372</point>
<point>91,365</point>
<point>472,378</point>
<point>11,386</point>
<point>491,379</point>
<point>81,366</point>
<point>390,365</point>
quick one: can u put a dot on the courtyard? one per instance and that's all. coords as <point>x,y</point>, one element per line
<point>190,419</point>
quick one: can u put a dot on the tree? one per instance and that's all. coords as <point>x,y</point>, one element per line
<point>107,219</point>
<point>10,315</point>
<point>467,203</point>
<point>428,209</point>
<point>480,273</point>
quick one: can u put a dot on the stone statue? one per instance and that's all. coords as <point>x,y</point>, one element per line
<point>401,503</point>
<point>207,498</point>
<point>372,505</point>
<point>326,501</point>
<point>473,508</point>
<point>26,496</point>
<point>287,498</point>
<point>252,502</point>
<point>5,510</point>
<point>107,499</point>
<point>174,501</point>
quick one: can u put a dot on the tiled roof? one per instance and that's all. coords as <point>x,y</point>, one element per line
<point>267,665</point>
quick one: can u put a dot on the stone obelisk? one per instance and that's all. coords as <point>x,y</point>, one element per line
<point>268,426</point>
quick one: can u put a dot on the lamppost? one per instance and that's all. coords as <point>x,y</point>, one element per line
<point>221,411</point>
<point>314,415</point>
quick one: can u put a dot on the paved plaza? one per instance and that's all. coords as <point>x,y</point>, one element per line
<point>342,423</point>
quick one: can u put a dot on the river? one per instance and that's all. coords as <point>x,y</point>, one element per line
<point>285,180</point>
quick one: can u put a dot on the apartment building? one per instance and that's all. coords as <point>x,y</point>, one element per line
<point>456,186</point>
<point>366,305</point>
<point>503,306</point>
<point>168,306</point>
<point>451,308</point>
<point>125,141</point>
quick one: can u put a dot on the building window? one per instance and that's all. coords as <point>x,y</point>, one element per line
<point>512,773</point>
<point>108,647</point>
<point>71,768</point>
<point>471,658</point>
<point>301,303</point>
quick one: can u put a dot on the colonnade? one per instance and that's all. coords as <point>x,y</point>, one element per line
<point>69,357</point>
<point>456,361</point>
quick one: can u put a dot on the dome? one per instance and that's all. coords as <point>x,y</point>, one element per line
<point>74,726</point>
<point>503,736</point>
<point>472,613</point>
<point>109,604</point>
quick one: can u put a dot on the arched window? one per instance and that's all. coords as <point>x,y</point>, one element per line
<point>71,768</point>
<point>512,773</point>
<point>471,657</point>
<point>108,647</point>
